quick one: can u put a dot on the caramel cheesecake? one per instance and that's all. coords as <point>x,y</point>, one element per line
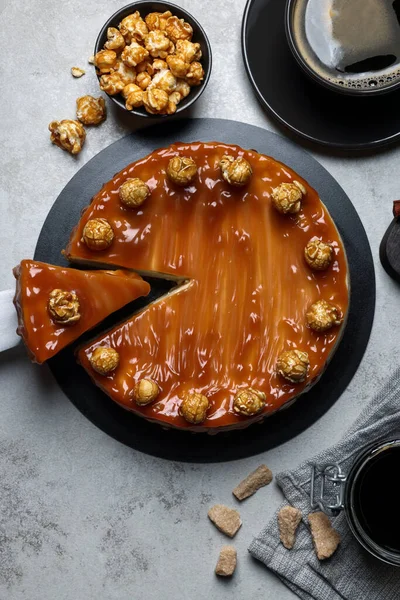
<point>262,293</point>
<point>56,305</point>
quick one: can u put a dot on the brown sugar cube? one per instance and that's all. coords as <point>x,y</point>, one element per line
<point>253,482</point>
<point>288,522</point>
<point>227,560</point>
<point>225,519</point>
<point>325,538</point>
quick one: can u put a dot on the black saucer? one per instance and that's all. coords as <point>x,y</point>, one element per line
<point>309,110</point>
<point>179,445</point>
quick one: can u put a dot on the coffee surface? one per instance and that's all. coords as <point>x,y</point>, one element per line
<point>354,43</point>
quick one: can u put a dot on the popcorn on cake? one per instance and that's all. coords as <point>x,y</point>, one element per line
<point>145,391</point>
<point>318,254</point>
<point>63,307</point>
<point>286,197</point>
<point>104,360</point>
<point>249,402</point>
<point>323,315</point>
<point>194,407</point>
<point>293,365</point>
<point>98,234</point>
<point>235,171</point>
<point>181,170</point>
<point>133,192</point>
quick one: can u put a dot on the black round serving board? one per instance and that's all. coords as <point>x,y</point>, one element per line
<point>277,429</point>
<point>297,102</point>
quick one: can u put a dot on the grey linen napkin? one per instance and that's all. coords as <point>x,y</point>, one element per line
<point>351,573</point>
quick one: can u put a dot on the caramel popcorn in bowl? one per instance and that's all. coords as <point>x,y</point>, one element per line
<point>155,52</point>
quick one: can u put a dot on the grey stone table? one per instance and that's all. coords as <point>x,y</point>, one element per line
<point>83,517</point>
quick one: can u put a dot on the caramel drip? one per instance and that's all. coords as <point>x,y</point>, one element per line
<point>249,285</point>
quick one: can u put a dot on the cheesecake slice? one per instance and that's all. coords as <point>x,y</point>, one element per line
<point>56,305</point>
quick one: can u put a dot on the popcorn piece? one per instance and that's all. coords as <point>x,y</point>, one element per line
<point>98,234</point>
<point>293,365</point>
<point>147,66</point>
<point>104,360</point>
<point>194,407</point>
<point>325,538</point>
<point>249,402</point>
<point>179,67</point>
<point>227,560</point>
<point>135,97</point>
<point>286,197</point>
<point>189,51</point>
<point>127,74</point>
<point>63,307</point>
<point>158,65</point>
<point>235,171</point>
<point>68,135</point>
<point>115,40</point>
<point>158,44</point>
<point>77,72</point>
<point>182,87</point>
<point>91,60</point>
<point>145,391</point>
<point>133,28</point>
<point>143,80</point>
<point>225,519</point>
<point>181,170</point>
<point>259,478</point>
<point>173,102</point>
<point>105,60</point>
<point>318,255</point>
<point>157,20</point>
<point>323,315</point>
<point>164,80</point>
<point>134,54</point>
<point>195,74</point>
<point>111,83</point>
<point>155,100</point>
<point>128,89</point>
<point>288,521</point>
<point>91,111</point>
<point>133,192</point>
<point>178,29</point>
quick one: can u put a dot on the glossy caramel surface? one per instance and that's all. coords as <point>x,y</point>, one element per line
<point>248,292</point>
<point>100,293</point>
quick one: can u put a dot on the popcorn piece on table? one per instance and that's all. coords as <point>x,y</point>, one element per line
<point>325,538</point>
<point>225,519</point>
<point>288,521</point>
<point>77,72</point>
<point>227,561</point>
<point>260,477</point>
<point>68,134</point>
<point>91,111</point>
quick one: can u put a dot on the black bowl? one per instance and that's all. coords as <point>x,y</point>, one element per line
<point>199,36</point>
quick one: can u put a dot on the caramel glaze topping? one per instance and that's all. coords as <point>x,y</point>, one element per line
<point>249,288</point>
<point>100,293</point>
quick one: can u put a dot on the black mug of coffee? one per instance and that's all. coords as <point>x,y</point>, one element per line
<point>369,496</point>
<point>348,46</point>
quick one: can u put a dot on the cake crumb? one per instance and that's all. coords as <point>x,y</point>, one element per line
<point>260,477</point>
<point>325,538</point>
<point>225,519</point>
<point>288,522</point>
<point>227,560</point>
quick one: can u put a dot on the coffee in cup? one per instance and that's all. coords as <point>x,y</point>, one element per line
<point>352,46</point>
